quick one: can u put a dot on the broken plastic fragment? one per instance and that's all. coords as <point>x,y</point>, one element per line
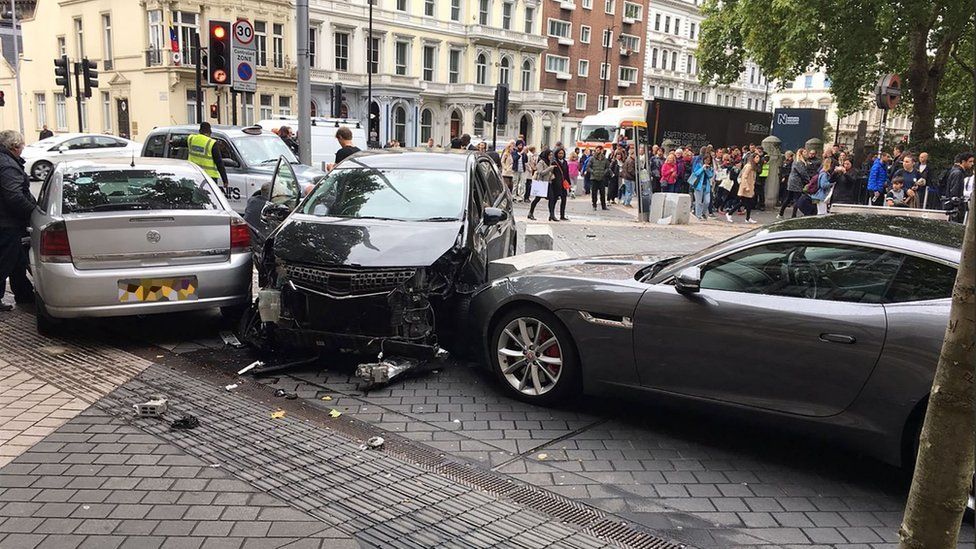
<point>334,413</point>
<point>230,387</point>
<point>279,393</point>
<point>374,443</point>
<point>250,367</point>
<point>385,370</point>
<point>230,339</point>
<point>185,422</point>
<point>277,414</point>
<point>543,456</point>
<point>327,398</point>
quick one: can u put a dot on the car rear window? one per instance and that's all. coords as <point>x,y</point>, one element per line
<point>115,190</point>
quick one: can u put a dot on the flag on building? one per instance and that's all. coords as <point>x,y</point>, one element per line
<point>174,46</point>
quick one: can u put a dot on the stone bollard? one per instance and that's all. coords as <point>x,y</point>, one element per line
<point>537,237</point>
<point>771,145</point>
<point>816,145</point>
<point>668,146</point>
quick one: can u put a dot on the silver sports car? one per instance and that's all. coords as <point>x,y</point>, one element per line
<point>828,323</point>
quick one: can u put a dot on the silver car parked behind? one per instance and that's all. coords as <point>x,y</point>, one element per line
<point>140,236</point>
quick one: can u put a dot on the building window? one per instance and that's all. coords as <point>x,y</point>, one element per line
<point>654,58</point>
<point>266,107</point>
<point>667,24</point>
<point>560,28</point>
<point>454,66</point>
<point>601,103</point>
<point>400,125</point>
<point>588,4</point>
<point>107,57</point>
<point>691,30</point>
<point>507,9</point>
<point>684,95</point>
<point>749,103</point>
<point>60,112</point>
<point>479,124</point>
<point>585,34</point>
<point>826,81</point>
<point>426,125</point>
<point>62,47</point>
<point>278,45</point>
<point>581,101</point>
<point>191,107</point>
<point>374,54</point>
<point>557,64</point>
<point>630,42</point>
<point>313,38</point>
<point>670,93</point>
<point>607,38</point>
<point>40,109</point>
<point>429,9</point>
<point>529,19</point>
<point>481,69</point>
<point>504,71</point>
<point>604,71</point>
<point>106,112</point>
<point>401,5</point>
<point>284,105</point>
<point>342,51</point>
<point>261,43</point>
<point>633,11</point>
<point>402,56</point>
<point>808,81</point>
<point>484,11</point>
<point>430,55</point>
<point>674,61</point>
<point>584,68</point>
<point>79,38</point>
<point>677,26</point>
<point>627,74</point>
<point>689,66</point>
<point>694,97</point>
<point>247,99</point>
<point>187,24</point>
<point>610,6</point>
<point>526,75</point>
<point>455,10</point>
<point>657,21</point>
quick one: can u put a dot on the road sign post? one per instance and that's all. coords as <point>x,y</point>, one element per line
<point>887,96</point>
<point>243,57</point>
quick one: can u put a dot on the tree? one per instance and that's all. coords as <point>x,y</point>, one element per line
<point>944,469</point>
<point>957,113</point>
<point>854,41</point>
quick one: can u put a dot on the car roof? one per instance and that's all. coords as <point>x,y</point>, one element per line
<point>931,237</point>
<point>227,130</point>
<point>125,163</point>
<point>417,158</point>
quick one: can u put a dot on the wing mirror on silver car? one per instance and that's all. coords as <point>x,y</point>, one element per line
<point>493,216</point>
<point>688,281</point>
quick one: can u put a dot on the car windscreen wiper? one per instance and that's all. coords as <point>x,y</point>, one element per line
<point>441,218</point>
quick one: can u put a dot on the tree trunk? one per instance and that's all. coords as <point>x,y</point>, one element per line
<point>944,469</point>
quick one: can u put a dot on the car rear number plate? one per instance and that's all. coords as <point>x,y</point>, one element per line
<point>138,290</point>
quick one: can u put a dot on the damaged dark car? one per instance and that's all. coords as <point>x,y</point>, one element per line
<point>382,256</point>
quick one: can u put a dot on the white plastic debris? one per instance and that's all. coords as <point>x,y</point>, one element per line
<point>385,370</point>
<point>374,443</point>
<point>230,339</point>
<point>154,407</point>
<point>230,387</point>
<point>250,367</point>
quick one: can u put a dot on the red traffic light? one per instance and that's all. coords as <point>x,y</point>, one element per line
<point>219,32</point>
<point>219,76</point>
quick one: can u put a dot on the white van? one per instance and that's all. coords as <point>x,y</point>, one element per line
<point>324,143</point>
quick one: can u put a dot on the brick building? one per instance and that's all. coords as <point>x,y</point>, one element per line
<point>583,34</point>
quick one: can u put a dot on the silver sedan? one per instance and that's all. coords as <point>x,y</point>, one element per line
<point>828,324</point>
<point>133,237</point>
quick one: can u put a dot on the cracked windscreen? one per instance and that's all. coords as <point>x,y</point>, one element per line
<point>395,194</point>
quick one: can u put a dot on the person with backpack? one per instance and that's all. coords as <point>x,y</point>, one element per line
<point>701,182</point>
<point>813,201</point>
<point>794,184</point>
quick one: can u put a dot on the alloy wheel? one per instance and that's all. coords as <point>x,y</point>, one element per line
<point>41,170</point>
<point>530,356</point>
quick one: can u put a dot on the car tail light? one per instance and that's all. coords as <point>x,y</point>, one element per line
<point>240,236</point>
<point>55,247</point>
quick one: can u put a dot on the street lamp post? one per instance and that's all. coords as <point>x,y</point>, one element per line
<point>304,85</point>
<point>369,76</point>
<point>606,62</point>
<point>13,28</point>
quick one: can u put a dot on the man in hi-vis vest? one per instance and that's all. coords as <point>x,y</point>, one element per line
<point>204,152</point>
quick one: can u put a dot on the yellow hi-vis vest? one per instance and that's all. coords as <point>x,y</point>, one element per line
<point>201,153</point>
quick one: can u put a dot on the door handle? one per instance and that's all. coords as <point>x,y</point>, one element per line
<point>838,338</point>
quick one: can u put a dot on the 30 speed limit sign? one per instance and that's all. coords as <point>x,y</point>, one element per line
<point>243,32</point>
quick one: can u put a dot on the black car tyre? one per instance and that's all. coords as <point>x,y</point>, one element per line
<point>46,324</point>
<point>41,169</point>
<point>252,332</point>
<point>533,356</point>
<point>232,314</point>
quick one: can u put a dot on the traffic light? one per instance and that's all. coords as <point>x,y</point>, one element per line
<point>89,76</point>
<point>218,57</point>
<point>489,111</point>
<point>62,74</point>
<point>338,98</point>
<point>501,104</point>
<point>214,112</point>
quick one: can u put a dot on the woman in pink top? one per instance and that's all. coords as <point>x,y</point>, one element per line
<point>574,169</point>
<point>669,174</point>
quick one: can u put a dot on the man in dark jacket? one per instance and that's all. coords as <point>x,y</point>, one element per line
<point>599,170</point>
<point>45,133</point>
<point>16,205</point>
<point>956,184</point>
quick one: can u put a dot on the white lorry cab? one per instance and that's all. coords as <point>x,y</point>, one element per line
<point>324,143</point>
<point>605,127</point>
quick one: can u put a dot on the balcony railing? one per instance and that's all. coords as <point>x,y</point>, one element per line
<point>482,34</point>
<point>154,58</point>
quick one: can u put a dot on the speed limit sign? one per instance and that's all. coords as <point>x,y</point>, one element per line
<point>243,32</point>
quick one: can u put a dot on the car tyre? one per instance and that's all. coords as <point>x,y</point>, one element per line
<point>41,169</point>
<point>533,356</point>
<point>252,332</point>
<point>47,325</point>
<point>233,314</point>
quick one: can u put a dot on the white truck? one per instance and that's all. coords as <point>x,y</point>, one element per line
<point>324,143</point>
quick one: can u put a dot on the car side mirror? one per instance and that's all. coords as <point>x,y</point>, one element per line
<point>493,216</point>
<point>63,148</point>
<point>274,213</point>
<point>688,281</point>
<point>231,163</point>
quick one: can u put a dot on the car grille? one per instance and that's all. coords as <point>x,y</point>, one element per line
<point>343,282</point>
